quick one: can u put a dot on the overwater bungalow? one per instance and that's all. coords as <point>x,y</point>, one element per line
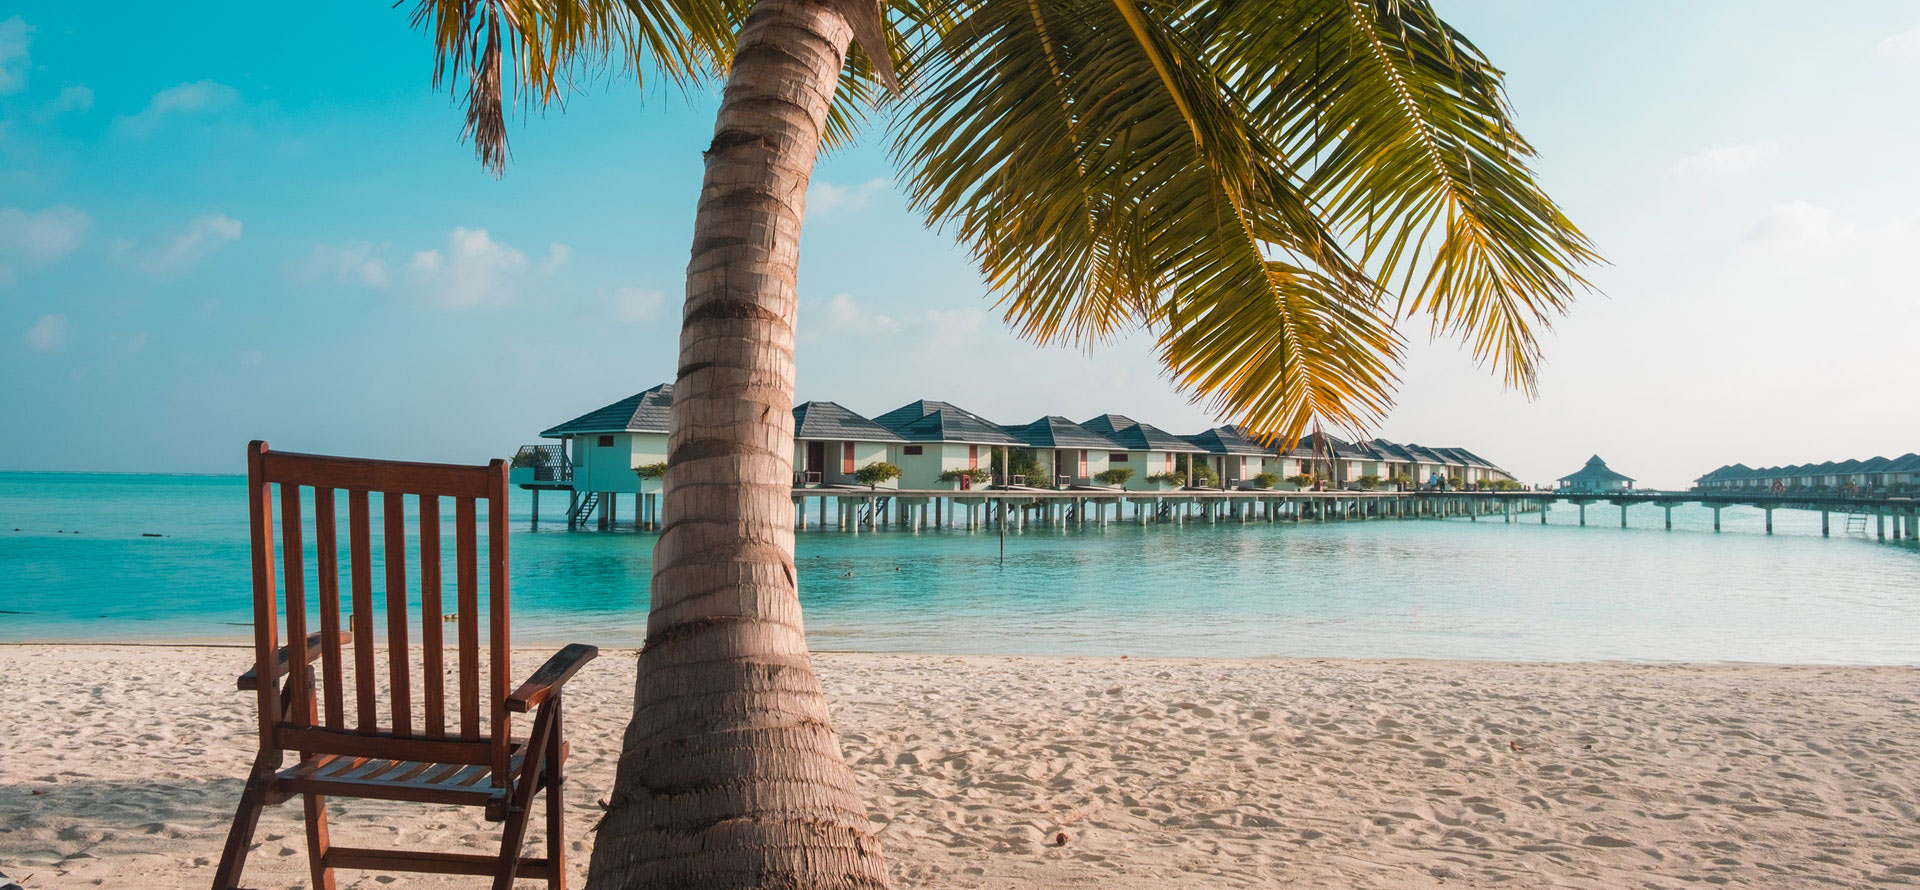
<point>1875,474</point>
<point>831,443</point>
<point>604,450</point>
<point>1149,450</point>
<point>1076,454</point>
<point>938,437</point>
<point>1235,458</point>
<point>1595,478</point>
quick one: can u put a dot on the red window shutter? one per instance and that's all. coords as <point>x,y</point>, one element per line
<point>973,457</point>
<point>846,457</point>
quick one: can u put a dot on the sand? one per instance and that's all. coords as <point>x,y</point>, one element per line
<point>120,766</point>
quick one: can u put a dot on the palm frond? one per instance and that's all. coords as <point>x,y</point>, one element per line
<point>1412,154</point>
<point>532,50</point>
<point>1105,178</point>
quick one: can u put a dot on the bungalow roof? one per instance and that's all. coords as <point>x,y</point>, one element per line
<point>642,412</point>
<point>1054,431</point>
<point>1137,436</point>
<point>931,421</point>
<point>831,420</point>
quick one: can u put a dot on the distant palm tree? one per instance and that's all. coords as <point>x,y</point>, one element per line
<point>1268,188</point>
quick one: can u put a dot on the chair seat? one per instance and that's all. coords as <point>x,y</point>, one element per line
<point>412,780</point>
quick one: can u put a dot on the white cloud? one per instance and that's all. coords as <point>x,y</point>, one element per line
<point>843,314</point>
<point>48,334</point>
<point>474,271</point>
<point>1905,43</point>
<point>636,304</point>
<point>201,236</point>
<point>44,235</point>
<point>1727,160</point>
<point>557,255</point>
<point>827,197</point>
<point>955,321</point>
<point>357,262</point>
<point>13,54</point>
<point>199,97</point>
<point>74,98</point>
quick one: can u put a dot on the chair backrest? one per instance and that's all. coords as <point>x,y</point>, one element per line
<point>333,724</point>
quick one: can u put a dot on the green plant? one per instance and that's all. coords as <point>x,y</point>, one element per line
<point>1506,485</point>
<point>1023,462</point>
<point>1266,480</point>
<point>651,471</point>
<point>530,457</point>
<point>1116,476</point>
<point>1303,480</point>
<point>1453,481</point>
<point>1170,477</point>
<point>976,475</point>
<point>1369,481</point>
<point>875,473</point>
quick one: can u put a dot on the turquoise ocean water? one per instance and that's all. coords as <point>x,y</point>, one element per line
<point>74,565</point>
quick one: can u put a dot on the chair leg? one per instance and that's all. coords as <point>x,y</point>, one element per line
<point>556,806</point>
<point>520,797</point>
<point>233,858</point>
<point>318,842</point>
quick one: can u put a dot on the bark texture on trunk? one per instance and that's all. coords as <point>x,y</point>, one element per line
<point>730,775</point>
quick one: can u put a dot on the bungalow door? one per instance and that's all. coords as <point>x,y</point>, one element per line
<point>816,457</point>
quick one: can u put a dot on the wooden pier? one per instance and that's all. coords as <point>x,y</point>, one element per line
<point>853,509</point>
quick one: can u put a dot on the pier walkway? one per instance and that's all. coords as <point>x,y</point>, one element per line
<point>852,509</point>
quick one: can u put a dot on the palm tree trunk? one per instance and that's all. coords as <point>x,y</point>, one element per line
<point>730,775</point>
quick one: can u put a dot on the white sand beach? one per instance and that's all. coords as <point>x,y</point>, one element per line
<point>120,766</point>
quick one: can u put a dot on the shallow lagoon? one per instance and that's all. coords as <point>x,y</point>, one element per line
<point>1426,589</point>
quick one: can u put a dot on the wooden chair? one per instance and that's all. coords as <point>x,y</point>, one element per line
<point>350,749</point>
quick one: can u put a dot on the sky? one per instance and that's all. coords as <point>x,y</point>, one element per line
<point>228,222</point>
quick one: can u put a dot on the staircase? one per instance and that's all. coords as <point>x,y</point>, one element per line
<point>1857,522</point>
<point>582,509</point>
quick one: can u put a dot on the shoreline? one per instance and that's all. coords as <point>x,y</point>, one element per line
<point>1161,771</point>
<point>544,647</point>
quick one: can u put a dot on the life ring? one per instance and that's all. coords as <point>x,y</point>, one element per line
<point>1779,487</point>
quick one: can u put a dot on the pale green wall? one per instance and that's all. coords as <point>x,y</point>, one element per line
<point>611,469</point>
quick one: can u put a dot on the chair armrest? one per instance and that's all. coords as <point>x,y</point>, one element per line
<point>250,680</point>
<point>547,680</point>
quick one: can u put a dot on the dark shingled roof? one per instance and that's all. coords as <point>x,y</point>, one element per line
<point>1137,436</point>
<point>1227,440</point>
<point>1595,471</point>
<point>829,420</point>
<point>642,412</point>
<point>1054,431</point>
<point>931,421</point>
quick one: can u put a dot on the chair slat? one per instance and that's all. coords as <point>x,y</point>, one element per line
<point>266,643</point>
<point>394,552</point>
<point>433,670</point>
<point>466,547</point>
<point>328,585</point>
<point>361,553</point>
<point>293,566</point>
<point>501,660</point>
<point>353,473</point>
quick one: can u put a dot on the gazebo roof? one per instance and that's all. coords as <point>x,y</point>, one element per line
<point>1596,470</point>
<point>642,412</point>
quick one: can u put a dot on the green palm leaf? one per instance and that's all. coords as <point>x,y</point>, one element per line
<point>1105,178</point>
<point>1413,156</point>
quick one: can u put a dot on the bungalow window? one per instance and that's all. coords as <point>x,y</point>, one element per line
<point>910,449</point>
<point>606,441</point>
<point>1116,457</point>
